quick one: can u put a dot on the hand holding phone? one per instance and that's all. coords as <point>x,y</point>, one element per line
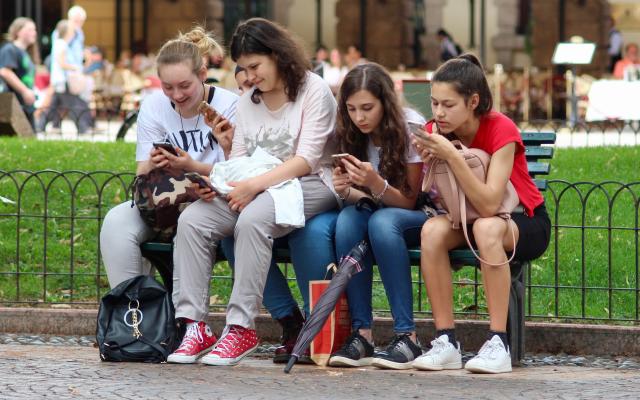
<point>202,183</point>
<point>417,130</point>
<point>209,112</point>
<point>337,160</point>
<point>166,146</point>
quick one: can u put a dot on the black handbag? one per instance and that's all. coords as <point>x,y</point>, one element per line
<point>136,322</point>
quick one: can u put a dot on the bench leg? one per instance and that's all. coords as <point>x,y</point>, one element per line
<point>163,262</point>
<point>515,320</point>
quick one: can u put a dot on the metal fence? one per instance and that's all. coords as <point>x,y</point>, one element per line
<point>49,247</point>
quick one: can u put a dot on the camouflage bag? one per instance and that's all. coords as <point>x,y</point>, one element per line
<point>161,195</point>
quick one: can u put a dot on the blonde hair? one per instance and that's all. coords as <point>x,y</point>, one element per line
<point>63,28</point>
<point>77,11</point>
<point>15,27</point>
<point>191,47</point>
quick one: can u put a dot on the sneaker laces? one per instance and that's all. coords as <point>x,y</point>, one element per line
<point>397,339</point>
<point>488,350</point>
<point>192,335</point>
<point>437,346</point>
<point>230,339</point>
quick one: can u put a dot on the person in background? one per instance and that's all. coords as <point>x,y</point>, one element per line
<point>354,57</point>
<point>335,70</point>
<point>616,43</point>
<point>448,48</point>
<point>17,63</point>
<point>629,63</point>
<point>69,68</point>
<point>244,84</point>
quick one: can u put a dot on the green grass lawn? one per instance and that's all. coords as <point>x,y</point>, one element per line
<point>49,243</point>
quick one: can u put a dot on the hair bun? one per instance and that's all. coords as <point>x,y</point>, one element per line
<point>204,40</point>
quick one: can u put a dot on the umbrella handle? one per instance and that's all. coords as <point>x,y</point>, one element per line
<point>292,360</point>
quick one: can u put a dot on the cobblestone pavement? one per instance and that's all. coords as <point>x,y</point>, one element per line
<point>70,369</point>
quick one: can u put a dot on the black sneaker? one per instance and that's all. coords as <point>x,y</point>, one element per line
<point>399,354</point>
<point>355,352</point>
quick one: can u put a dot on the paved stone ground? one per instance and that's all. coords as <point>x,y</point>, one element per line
<point>69,368</point>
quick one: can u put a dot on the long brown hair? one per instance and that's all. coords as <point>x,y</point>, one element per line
<point>15,27</point>
<point>392,130</point>
<point>260,36</point>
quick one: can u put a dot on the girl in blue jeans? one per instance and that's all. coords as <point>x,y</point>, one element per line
<point>383,167</point>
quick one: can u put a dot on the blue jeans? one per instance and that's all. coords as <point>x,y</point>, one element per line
<point>389,232</point>
<point>311,249</point>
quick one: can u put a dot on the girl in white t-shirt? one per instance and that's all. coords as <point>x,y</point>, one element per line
<point>379,180</point>
<point>290,114</point>
<point>170,116</point>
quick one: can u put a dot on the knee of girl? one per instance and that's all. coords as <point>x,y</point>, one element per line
<point>380,223</point>
<point>431,235</point>
<point>488,232</point>
<point>186,220</point>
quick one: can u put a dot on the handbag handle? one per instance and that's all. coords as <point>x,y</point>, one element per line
<point>463,211</point>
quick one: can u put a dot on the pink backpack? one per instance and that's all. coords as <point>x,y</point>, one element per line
<point>453,199</point>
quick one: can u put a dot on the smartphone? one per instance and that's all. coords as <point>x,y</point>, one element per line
<point>201,182</point>
<point>167,146</point>
<point>337,158</point>
<point>209,112</point>
<point>417,129</point>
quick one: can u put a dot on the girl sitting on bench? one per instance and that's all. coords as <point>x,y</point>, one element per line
<point>461,102</point>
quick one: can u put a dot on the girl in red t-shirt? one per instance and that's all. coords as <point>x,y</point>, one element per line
<point>461,102</point>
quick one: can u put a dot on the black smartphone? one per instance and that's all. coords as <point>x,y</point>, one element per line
<point>167,146</point>
<point>201,182</point>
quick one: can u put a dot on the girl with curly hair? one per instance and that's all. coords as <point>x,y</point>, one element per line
<point>379,179</point>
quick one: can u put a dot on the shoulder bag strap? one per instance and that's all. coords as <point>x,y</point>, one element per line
<point>507,218</point>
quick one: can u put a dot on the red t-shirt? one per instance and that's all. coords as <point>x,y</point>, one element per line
<point>495,131</point>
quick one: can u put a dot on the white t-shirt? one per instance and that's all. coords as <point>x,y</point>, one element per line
<point>158,121</point>
<point>412,157</point>
<point>58,75</point>
<point>299,128</point>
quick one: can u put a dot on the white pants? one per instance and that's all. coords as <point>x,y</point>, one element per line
<point>120,237</point>
<point>203,224</point>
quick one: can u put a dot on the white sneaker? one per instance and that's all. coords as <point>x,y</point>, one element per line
<point>443,355</point>
<point>493,358</point>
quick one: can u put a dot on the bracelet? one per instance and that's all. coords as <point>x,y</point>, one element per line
<point>345,197</point>
<point>378,196</point>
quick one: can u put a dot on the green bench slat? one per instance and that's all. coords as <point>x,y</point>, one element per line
<point>153,246</point>
<point>538,152</point>
<point>460,256</point>
<point>538,168</point>
<point>541,184</point>
<point>538,138</point>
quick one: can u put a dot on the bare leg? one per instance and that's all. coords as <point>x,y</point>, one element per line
<point>493,238</point>
<point>437,238</point>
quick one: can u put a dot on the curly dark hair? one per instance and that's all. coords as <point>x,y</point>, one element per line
<point>260,36</point>
<point>392,128</point>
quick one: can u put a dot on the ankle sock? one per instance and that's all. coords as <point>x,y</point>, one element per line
<point>501,335</point>
<point>451,334</point>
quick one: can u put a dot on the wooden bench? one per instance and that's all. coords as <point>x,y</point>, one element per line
<point>160,254</point>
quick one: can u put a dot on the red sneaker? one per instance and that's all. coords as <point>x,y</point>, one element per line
<point>197,340</point>
<point>235,344</point>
